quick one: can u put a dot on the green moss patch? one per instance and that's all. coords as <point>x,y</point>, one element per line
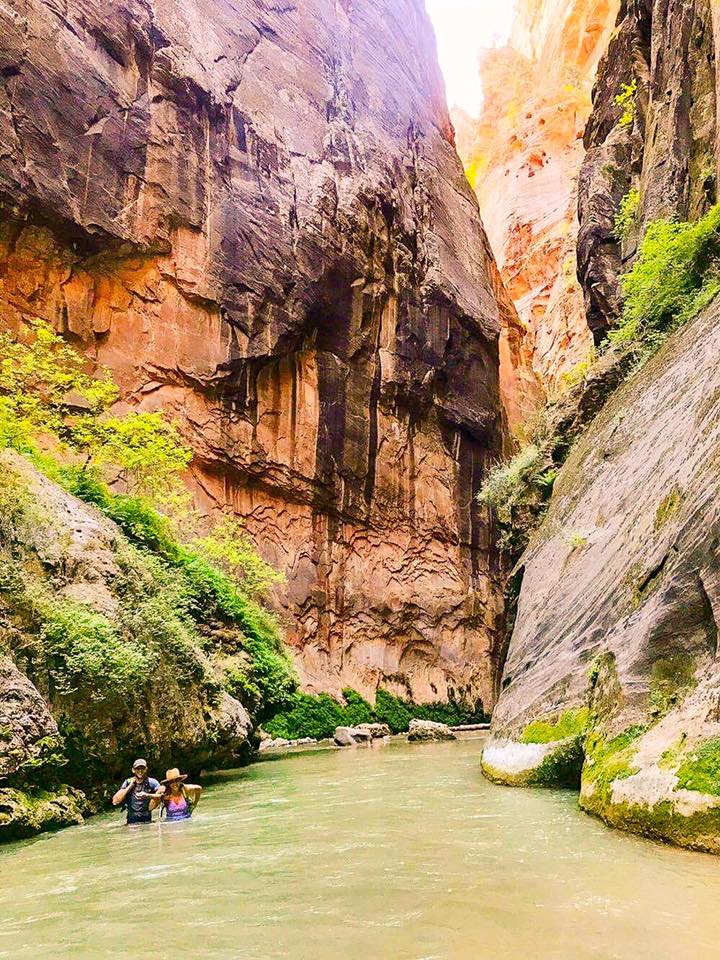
<point>667,508</point>
<point>701,768</point>
<point>570,723</point>
<point>25,813</point>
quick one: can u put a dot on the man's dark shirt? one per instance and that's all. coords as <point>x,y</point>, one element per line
<point>138,808</point>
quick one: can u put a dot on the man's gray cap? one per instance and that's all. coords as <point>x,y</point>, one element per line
<point>139,763</point>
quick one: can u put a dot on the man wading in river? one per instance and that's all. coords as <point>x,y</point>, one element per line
<point>135,794</point>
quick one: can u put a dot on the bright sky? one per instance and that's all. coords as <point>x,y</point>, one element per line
<point>463,28</point>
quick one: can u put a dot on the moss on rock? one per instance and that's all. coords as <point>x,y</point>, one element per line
<point>518,764</point>
<point>25,813</point>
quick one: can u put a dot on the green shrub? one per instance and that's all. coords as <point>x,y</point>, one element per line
<point>393,711</point>
<point>45,391</point>
<point>317,716</point>
<point>627,100</point>
<point>676,275</point>
<point>86,654</point>
<point>206,594</point>
<point>519,492</point>
<point>627,215</point>
<point>579,372</point>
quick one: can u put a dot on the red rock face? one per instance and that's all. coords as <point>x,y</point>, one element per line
<point>254,214</point>
<point>524,154</point>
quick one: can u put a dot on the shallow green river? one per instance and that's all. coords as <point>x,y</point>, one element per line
<point>392,853</point>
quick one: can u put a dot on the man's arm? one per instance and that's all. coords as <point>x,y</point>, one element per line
<point>122,793</point>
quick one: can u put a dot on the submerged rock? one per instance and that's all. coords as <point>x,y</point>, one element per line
<point>429,730</point>
<point>350,736</point>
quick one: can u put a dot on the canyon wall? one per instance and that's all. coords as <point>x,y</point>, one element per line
<point>665,147</point>
<point>524,155</point>
<point>254,214</point>
<point>612,680</point>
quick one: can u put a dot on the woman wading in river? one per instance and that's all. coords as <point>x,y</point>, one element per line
<point>177,798</point>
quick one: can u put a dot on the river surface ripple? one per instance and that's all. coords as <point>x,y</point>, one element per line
<point>395,852</point>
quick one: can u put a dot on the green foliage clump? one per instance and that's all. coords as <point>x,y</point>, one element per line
<point>310,715</point>
<point>701,769</point>
<point>627,215</point>
<point>579,372</point>
<point>519,492</point>
<point>317,716</point>
<point>570,723</point>
<point>80,651</point>
<point>627,100</point>
<point>208,593</point>
<point>676,275</point>
<point>230,549</point>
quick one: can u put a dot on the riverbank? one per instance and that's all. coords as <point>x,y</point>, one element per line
<point>399,852</point>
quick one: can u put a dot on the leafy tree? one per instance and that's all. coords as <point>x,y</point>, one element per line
<point>45,392</point>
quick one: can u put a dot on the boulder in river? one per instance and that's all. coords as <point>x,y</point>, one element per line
<point>425,730</point>
<point>377,731</point>
<point>350,736</point>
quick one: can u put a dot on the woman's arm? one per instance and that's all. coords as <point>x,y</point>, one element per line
<point>157,798</point>
<point>193,792</point>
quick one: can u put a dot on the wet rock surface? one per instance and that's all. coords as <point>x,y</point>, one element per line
<point>616,630</point>
<point>255,216</point>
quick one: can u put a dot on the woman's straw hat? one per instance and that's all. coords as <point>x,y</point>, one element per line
<point>174,774</point>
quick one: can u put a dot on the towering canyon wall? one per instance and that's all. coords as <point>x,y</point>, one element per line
<point>612,678</point>
<point>524,154</point>
<point>254,214</point>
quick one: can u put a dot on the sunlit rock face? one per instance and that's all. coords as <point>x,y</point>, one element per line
<point>254,215</point>
<point>524,154</point>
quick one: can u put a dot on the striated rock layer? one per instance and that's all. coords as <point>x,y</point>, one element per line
<point>612,680</point>
<point>524,154</point>
<point>255,216</point>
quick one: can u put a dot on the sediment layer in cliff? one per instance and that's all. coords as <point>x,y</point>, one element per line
<point>524,155</point>
<point>255,216</point>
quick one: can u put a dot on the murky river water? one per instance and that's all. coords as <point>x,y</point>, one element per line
<point>397,852</point>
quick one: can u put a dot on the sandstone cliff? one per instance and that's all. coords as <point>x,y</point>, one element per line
<point>660,143</point>
<point>524,154</point>
<point>255,216</point>
<point>611,680</point>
